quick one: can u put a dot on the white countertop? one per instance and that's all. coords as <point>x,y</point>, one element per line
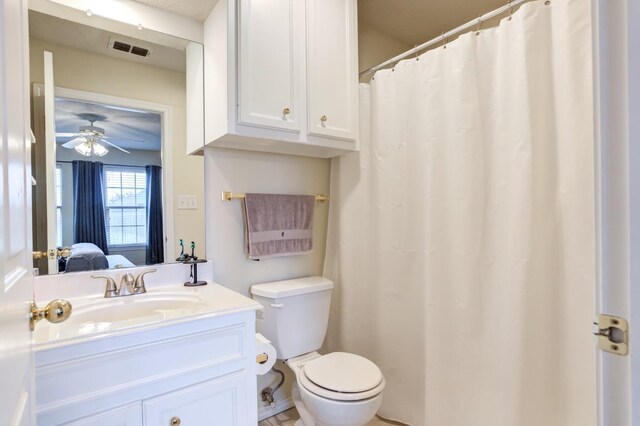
<point>96,317</point>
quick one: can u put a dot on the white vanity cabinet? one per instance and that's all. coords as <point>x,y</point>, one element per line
<point>129,415</point>
<point>197,372</point>
<point>211,402</point>
<point>282,76</point>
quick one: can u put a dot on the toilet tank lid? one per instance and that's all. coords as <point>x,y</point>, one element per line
<point>294,287</point>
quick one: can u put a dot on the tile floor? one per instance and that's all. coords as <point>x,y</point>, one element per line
<point>289,417</point>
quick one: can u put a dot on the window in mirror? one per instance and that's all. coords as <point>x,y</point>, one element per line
<point>58,185</point>
<point>126,205</point>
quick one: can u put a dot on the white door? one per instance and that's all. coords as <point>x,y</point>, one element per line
<point>271,64</point>
<point>332,68</point>
<point>617,81</point>
<point>16,288</point>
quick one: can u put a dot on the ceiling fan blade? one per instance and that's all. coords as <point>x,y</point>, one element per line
<point>115,146</point>
<point>74,142</point>
<point>65,135</point>
<point>121,139</point>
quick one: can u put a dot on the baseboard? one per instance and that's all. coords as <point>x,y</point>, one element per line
<point>269,411</point>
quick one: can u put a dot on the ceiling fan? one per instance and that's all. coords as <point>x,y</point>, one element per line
<point>89,139</point>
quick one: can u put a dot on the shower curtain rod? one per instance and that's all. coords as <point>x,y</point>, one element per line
<point>507,7</point>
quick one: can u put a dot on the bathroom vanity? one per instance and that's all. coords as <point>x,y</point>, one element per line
<point>173,355</point>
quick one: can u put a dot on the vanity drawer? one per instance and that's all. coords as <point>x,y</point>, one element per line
<point>129,415</point>
<point>146,368</point>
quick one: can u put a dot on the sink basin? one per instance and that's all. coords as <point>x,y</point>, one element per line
<point>148,305</point>
<point>94,315</point>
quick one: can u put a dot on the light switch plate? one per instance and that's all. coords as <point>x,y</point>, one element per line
<point>187,202</point>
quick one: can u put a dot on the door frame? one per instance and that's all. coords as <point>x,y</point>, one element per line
<point>166,150</point>
<point>616,50</point>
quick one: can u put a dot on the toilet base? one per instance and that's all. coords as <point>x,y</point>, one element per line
<point>305,417</point>
<point>331,412</point>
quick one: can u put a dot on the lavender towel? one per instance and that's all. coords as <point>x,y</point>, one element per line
<point>278,225</point>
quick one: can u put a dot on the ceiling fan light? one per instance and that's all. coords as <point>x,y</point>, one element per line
<point>99,150</point>
<point>83,149</point>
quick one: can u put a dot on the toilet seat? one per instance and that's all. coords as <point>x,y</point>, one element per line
<point>342,376</point>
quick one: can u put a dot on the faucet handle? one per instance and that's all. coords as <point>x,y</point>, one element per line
<point>139,286</point>
<point>112,288</point>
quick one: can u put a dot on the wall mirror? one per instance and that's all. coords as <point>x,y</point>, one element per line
<point>113,186</point>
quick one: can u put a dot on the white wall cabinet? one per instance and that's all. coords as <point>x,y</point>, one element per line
<point>282,76</point>
<point>201,372</point>
<point>332,59</point>
<point>271,64</point>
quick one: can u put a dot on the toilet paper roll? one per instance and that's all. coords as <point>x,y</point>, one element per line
<point>264,347</point>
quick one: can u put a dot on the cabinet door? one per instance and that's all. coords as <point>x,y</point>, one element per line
<point>271,63</point>
<point>332,68</point>
<point>129,415</point>
<point>222,401</point>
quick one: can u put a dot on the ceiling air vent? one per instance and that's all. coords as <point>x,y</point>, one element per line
<point>140,51</point>
<point>125,47</point>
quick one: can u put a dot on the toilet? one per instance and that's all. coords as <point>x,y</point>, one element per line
<point>338,388</point>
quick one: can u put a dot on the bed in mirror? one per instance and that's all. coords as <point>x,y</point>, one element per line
<point>109,117</point>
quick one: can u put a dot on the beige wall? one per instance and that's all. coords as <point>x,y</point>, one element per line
<point>375,47</point>
<point>244,171</point>
<point>80,70</point>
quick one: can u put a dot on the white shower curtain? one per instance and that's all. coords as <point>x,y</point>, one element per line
<point>461,236</point>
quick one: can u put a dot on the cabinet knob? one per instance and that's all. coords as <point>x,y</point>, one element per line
<point>323,118</point>
<point>286,111</point>
<point>175,421</point>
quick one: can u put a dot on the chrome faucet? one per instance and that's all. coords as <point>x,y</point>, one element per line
<point>128,284</point>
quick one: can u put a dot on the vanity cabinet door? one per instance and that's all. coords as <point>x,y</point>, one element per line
<point>129,415</point>
<point>271,63</point>
<point>221,401</point>
<point>332,68</point>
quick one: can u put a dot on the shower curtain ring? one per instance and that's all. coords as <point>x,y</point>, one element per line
<point>510,10</point>
<point>444,40</point>
<point>415,51</point>
<point>479,25</point>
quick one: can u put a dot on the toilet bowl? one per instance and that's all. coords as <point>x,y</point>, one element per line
<point>336,389</point>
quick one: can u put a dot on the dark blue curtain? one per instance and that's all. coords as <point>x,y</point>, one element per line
<point>88,204</point>
<point>155,233</point>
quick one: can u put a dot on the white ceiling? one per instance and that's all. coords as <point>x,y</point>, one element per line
<point>410,21</point>
<point>195,9</point>
<point>416,21</point>
<point>95,40</point>
<point>124,126</point>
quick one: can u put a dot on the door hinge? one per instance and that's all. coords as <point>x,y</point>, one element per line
<point>612,333</point>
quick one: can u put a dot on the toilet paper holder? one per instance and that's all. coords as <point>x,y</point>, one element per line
<point>262,358</point>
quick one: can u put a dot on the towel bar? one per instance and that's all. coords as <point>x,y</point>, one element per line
<point>228,196</point>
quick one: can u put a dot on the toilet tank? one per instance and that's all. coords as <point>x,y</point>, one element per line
<point>295,314</point>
